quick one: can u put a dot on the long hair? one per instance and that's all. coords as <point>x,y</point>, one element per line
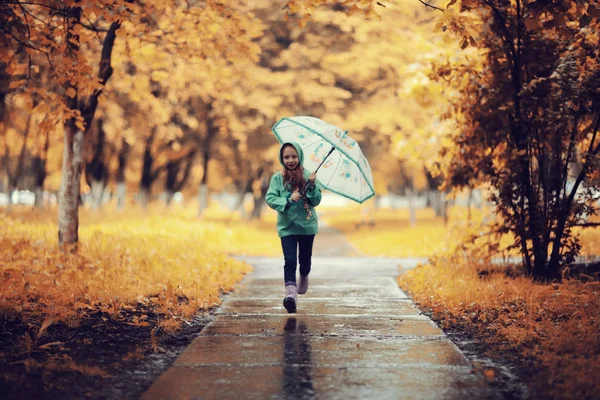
<point>292,179</point>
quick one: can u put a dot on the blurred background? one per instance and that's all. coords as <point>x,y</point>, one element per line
<point>184,121</point>
<point>183,129</point>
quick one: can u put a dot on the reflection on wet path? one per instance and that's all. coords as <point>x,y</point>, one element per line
<point>356,336</point>
<point>297,362</point>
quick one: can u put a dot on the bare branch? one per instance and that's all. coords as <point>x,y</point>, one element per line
<point>430,6</point>
<point>35,4</point>
<point>26,21</point>
<point>50,62</point>
<point>589,155</point>
<point>34,16</point>
<point>105,70</point>
<point>588,224</point>
<point>94,28</point>
<point>507,36</point>
<point>28,45</point>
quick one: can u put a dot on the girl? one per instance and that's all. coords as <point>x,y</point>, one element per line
<point>297,221</point>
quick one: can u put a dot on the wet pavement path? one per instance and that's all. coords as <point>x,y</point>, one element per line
<point>356,335</point>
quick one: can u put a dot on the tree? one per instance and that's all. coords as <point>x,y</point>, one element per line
<point>394,106</point>
<point>65,34</point>
<point>527,118</point>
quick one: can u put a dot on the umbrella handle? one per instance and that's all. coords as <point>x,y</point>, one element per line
<point>303,190</point>
<point>328,154</point>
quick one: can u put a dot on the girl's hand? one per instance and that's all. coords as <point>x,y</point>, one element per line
<point>312,177</point>
<point>295,196</point>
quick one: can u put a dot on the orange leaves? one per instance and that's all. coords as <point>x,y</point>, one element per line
<point>466,26</point>
<point>211,30</point>
<point>531,23</point>
<point>305,8</point>
<point>125,267</point>
<point>45,325</point>
<point>17,83</point>
<point>553,325</point>
<point>71,92</point>
<point>293,6</point>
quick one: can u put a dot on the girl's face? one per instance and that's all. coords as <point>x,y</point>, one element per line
<point>290,157</point>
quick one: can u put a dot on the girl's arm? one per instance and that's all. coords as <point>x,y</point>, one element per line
<point>273,198</point>
<point>313,194</point>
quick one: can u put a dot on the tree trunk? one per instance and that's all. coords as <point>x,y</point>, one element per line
<point>444,207</point>
<point>176,178</point>
<point>172,171</point>
<point>39,170</point>
<point>97,193</point>
<point>4,89</point>
<point>15,177</point>
<point>74,138</point>
<point>556,257</point>
<point>411,207</point>
<point>144,197</point>
<point>259,202</point>
<point>121,183</point>
<point>203,192</point>
<point>148,175</point>
<point>39,196</point>
<point>13,197</point>
<point>246,188</point>
<point>6,177</point>
<point>96,169</point>
<point>434,201</point>
<point>438,203</point>
<point>202,198</point>
<point>211,132</point>
<point>168,197</point>
<point>259,194</point>
<point>121,195</point>
<point>72,167</point>
<point>240,203</point>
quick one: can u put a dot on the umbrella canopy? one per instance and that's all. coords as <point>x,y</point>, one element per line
<point>328,150</point>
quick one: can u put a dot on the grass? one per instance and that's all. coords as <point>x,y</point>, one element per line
<point>169,261</point>
<point>140,277</point>
<point>551,328</point>
<point>390,233</point>
<point>175,264</point>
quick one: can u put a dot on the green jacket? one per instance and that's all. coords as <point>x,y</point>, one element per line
<point>292,216</point>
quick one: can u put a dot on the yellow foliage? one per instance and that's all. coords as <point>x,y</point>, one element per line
<point>172,263</point>
<point>555,325</point>
<point>390,234</point>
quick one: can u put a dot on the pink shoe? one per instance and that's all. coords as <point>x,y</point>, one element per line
<point>291,297</point>
<point>303,284</point>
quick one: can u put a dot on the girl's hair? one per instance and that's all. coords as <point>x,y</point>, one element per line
<point>293,179</point>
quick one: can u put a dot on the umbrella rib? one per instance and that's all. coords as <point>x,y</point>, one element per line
<point>335,169</point>
<point>286,123</point>
<point>361,185</point>
<point>311,143</point>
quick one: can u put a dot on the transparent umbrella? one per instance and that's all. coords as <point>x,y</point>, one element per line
<point>334,156</point>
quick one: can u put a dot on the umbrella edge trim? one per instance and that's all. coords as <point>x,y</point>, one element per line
<point>333,145</point>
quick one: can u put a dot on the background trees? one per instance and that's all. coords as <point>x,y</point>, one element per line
<point>156,99</point>
<point>65,33</point>
<point>528,123</point>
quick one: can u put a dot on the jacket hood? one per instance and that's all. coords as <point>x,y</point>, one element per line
<point>298,150</point>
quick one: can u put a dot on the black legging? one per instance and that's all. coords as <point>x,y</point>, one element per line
<point>290,245</point>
